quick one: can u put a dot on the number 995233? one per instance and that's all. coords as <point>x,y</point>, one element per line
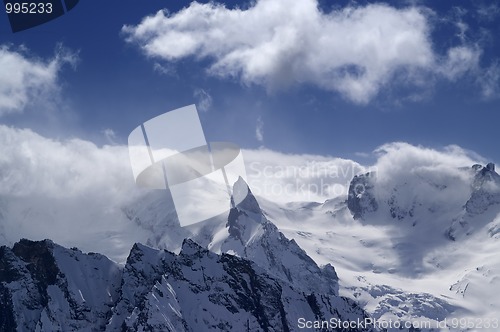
<point>28,8</point>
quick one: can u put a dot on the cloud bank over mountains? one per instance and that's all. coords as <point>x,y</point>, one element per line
<point>72,190</point>
<point>355,51</point>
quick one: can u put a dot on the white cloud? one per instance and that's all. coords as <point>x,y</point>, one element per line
<point>289,177</point>
<point>70,191</point>
<point>489,81</point>
<point>110,135</point>
<point>168,70</point>
<point>26,80</point>
<point>488,12</point>
<point>204,100</point>
<point>355,51</point>
<point>32,164</point>
<point>424,178</point>
<point>400,157</point>
<point>362,154</point>
<point>75,192</point>
<point>459,61</point>
<point>259,130</point>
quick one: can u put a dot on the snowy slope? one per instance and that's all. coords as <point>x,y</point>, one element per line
<point>243,231</point>
<point>417,244</point>
<point>405,247</point>
<point>259,279</point>
<point>424,248</point>
<point>46,287</point>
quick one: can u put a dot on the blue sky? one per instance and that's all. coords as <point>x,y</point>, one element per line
<point>299,78</point>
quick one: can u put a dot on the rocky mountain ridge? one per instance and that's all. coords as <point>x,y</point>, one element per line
<point>46,287</point>
<point>259,281</point>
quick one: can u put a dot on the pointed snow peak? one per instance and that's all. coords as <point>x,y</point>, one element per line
<point>484,175</point>
<point>483,170</point>
<point>361,199</point>
<point>189,243</point>
<point>240,190</point>
<point>139,247</point>
<point>486,189</point>
<point>243,198</point>
<point>31,250</point>
<point>40,255</point>
<point>35,244</point>
<point>477,167</point>
<point>191,248</point>
<point>138,251</point>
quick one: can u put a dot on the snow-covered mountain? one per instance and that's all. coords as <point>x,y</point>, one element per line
<point>259,281</point>
<point>244,231</point>
<point>46,287</point>
<point>198,290</point>
<point>419,244</point>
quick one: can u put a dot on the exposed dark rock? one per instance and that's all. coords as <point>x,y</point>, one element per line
<point>361,199</point>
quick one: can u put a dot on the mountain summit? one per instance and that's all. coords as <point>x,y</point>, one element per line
<point>46,287</point>
<point>253,236</point>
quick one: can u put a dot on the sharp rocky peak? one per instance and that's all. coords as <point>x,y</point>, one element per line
<point>402,203</point>
<point>198,290</point>
<point>485,189</point>
<point>47,287</point>
<point>253,236</point>
<point>484,174</point>
<point>191,248</point>
<point>361,199</point>
<point>243,199</point>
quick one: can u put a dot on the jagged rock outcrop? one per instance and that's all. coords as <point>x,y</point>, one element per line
<point>361,199</point>
<point>46,287</point>
<point>486,189</point>
<point>198,290</point>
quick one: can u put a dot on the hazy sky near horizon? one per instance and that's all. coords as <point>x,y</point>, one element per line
<point>337,78</point>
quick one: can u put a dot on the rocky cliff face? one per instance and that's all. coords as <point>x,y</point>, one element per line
<point>402,201</point>
<point>361,199</point>
<point>45,287</point>
<point>198,290</point>
<point>486,189</point>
